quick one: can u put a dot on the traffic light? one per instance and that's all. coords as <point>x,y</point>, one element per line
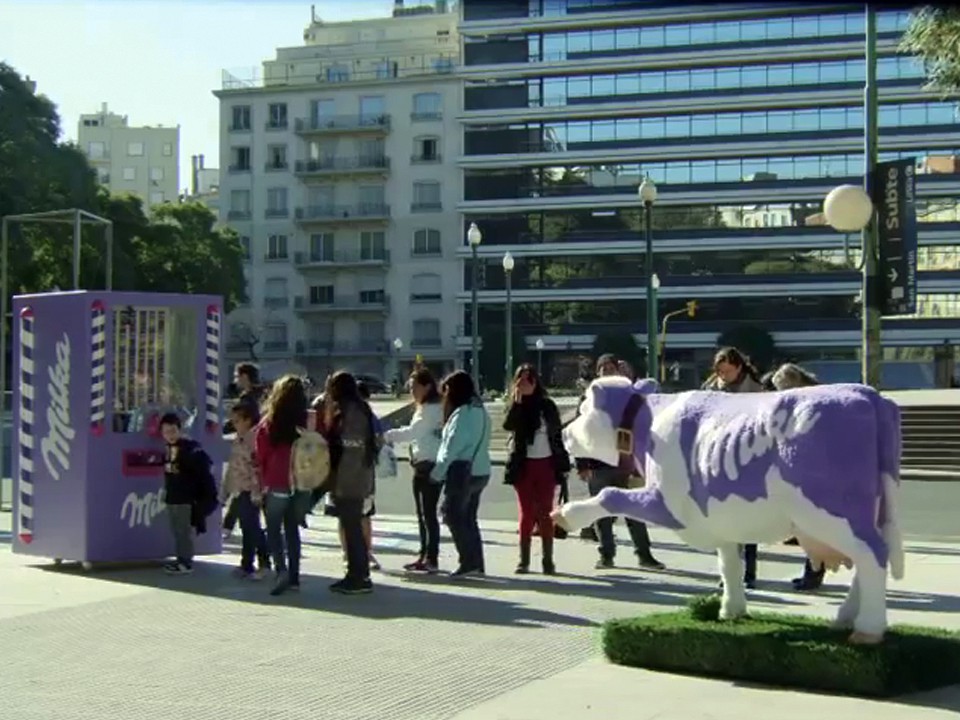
<point>691,308</point>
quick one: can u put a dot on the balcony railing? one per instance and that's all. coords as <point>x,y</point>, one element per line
<point>276,257</point>
<point>422,159</point>
<point>277,212</point>
<point>342,257</point>
<point>340,347</point>
<point>430,342</point>
<point>419,116</point>
<point>362,211</point>
<point>239,167</point>
<point>276,346</point>
<point>275,303</point>
<point>343,303</point>
<point>276,166</point>
<point>343,164</point>
<point>379,123</point>
<point>426,207</point>
<point>276,125</point>
<point>238,215</point>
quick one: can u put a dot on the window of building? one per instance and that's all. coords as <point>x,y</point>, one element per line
<point>427,106</point>
<point>372,108</point>
<point>322,247</point>
<point>239,203</point>
<point>321,334</point>
<point>321,294</point>
<point>103,175</point>
<point>426,242</point>
<point>426,333</point>
<point>277,116</point>
<point>129,174</point>
<point>426,287</point>
<point>135,149</point>
<point>372,334</point>
<point>277,202</point>
<point>276,157</point>
<point>373,245</point>
<point>387,69</point>
<point>338,73</point>
<point>321,110</point>
<point>372,197</point>
<point>167,150</point>
<point>275,336</point>
<point>97,150</point>
<point>372,297</point>
<point>245,245</point>
<point>156,198</point>
<point>277,247</point>
<point>240,117</point>
<point>156,174</point>
<point>426,196</point>
<point>371,150</point>
<point>240,159</point>
<point>426,149</point>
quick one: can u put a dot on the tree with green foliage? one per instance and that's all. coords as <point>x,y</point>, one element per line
<point>624,346</point>
<point>754,341</point>
<point>934,36</point>
<point>178,249</point>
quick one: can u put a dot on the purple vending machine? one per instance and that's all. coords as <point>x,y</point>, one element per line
<point>92,374</point>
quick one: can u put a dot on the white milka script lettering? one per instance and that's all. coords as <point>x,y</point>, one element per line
<point>142,510</point>
<point>717,448</point>
<point>57,443</point>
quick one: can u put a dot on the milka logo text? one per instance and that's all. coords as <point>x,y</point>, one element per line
<point>716,450</point>
<point>142,510</point>
<point>56,446</point>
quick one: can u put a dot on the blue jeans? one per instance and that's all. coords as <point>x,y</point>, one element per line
<point>284,513</point>
<point>460,507</point>
<point>254,543</point>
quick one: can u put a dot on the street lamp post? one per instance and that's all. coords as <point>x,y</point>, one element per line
<point>648,195</point>
<point>397,347</point>
<point>540,358</point>
<point>474,238</point>
<point>508,273</point>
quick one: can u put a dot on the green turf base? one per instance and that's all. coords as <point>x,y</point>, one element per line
<point>785,650</point>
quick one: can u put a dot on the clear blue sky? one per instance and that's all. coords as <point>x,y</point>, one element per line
<point>156,61</point>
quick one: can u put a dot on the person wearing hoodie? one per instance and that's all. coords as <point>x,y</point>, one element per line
<point>190,491</point>
<point>423,434</point>
<point>463,468</point>
<point>351,429</point>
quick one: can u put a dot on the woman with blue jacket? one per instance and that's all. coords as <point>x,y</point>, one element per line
<point>463,467</point>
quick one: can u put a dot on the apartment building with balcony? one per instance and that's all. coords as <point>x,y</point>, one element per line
<point>340,175</point>
<point>745,115</point>
<point>143,161</point>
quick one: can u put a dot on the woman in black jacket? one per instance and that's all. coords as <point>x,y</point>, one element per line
<point>537,462</point>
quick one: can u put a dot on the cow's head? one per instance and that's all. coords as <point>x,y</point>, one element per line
<point>614,420</point>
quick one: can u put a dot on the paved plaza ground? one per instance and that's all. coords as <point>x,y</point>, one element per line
<point>134,643</point>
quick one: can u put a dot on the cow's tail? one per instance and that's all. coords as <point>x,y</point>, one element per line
<point>889,445</point>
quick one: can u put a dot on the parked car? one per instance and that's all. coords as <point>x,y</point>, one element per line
<point>375,384</point>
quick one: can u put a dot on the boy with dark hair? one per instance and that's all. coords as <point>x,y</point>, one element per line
<point>243,482</point>
<point>190,492</point>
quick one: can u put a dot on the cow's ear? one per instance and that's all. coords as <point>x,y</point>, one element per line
<point>646,386</point>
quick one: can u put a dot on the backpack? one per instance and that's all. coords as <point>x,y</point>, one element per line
<point>309,461</point>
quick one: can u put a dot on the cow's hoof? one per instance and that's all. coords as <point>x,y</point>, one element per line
<point>732,612</point>
<point>560,521</point>
<point>861,638</point>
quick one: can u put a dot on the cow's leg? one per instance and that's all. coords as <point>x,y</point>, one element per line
<point>644,504</point>
<point>734,603</point>
<point>869,587</point>
<point>850,607</point>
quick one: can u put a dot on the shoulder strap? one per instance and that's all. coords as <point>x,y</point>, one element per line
<point>483,434</point>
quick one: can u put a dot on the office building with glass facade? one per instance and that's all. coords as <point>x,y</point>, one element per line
<point>745,116</point>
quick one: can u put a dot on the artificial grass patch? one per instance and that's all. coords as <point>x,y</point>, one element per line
<point>784,650</point>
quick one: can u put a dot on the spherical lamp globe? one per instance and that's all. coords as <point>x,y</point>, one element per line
<point>848,208</point>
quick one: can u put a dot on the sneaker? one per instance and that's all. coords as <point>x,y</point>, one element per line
<point>177,568</point>
<point>374,563</point>
<point>239,572</point>
<point>651,563</point>
<point>282,584</point>
<point>431,568</point>
<point>467,573</point>
<point>416,566</point>
<point>604,564</point>
<point>227,534</point>
<point>352,587</point>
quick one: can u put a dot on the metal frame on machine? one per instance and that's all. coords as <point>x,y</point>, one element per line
<point>76,217</point>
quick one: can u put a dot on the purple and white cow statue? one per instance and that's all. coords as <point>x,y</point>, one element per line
<point>819,463</point>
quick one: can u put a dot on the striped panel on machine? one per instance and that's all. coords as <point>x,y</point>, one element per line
<point>25,438</point>
<point>213,368</point>
<point>98,367</point>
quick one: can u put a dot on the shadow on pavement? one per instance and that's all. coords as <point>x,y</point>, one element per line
<point>945,698</point>
<point>653,590</point>
<point>387,602</point>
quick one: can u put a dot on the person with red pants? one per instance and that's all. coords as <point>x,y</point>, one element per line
<point>537,462</point>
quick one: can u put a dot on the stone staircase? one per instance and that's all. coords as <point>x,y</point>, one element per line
<point>931,439</point>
